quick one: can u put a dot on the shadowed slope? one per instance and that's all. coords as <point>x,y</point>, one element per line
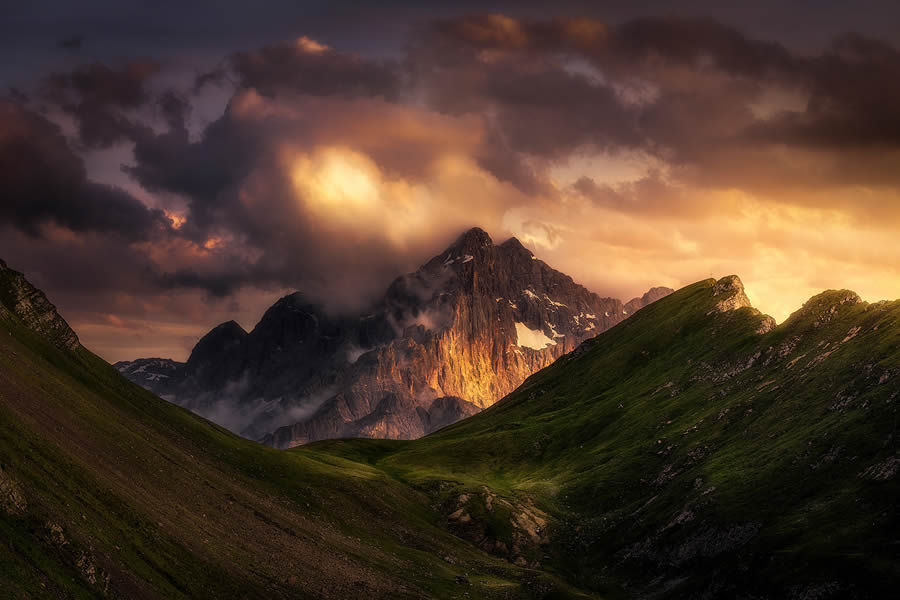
<point>106,490</point>
<point>692,451</point>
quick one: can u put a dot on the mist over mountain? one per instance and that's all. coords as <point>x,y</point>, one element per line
<point>444,342</point>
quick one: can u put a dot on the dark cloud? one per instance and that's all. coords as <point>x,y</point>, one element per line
<point>43,182</point>
<point>658,40</point>
<point>215,77</point>
<point>174,109</point>
<point>206,172</point>
<point>308,67</point>
<point>697,42</point>
<point>854,92</point>
<point>17,95</point>
<point>540,92</point>
<point>652,195</point>
<point>687,91</point>
<point>477,116</point>
<point>273,239</point>
<point>234,181</point>
<point>98,97</point>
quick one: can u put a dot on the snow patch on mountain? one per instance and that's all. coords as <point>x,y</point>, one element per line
<point>555,303</point>
<point>532,338</point>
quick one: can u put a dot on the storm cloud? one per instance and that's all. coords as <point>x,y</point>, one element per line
<point>99,97</point>
<point>628,153</point>
<point>45,182</point>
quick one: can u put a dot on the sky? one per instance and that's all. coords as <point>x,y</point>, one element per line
<point>166,166</point>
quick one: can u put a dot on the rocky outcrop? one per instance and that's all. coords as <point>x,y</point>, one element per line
<point>515,530</point>
<point>823,308</point>
<point>449,339</point>
<point>12,500</point>
<point>29,304</point>
<point>730,295</point>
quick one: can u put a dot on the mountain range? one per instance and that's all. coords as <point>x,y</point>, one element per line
<point>443,343</point>
<point>695,450</point>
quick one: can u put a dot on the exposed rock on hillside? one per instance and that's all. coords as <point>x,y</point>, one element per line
<point>730,295</point>
<point>34,310</point>
<point>12,500</point>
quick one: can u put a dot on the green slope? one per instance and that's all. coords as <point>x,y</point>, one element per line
<point>686,454</point>
<point>689,452</point>
<point>108,491</point>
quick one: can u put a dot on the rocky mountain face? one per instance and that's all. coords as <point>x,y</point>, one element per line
<point>18,297</point>
<point>654,294</point>
<point>444,342</point>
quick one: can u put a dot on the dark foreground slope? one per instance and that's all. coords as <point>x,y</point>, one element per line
<point>692,451</point>
<point>108,491</point>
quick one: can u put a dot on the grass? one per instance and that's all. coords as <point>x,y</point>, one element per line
<point>681,412</point>
<point>168,505</point>
<point>680,454</point>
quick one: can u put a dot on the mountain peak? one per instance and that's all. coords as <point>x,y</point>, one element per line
<point>651,296</point>
<point>730,291</point>
<point>231,327</point>
<point>730,295</point>
<point>513,243</point>
<point>473,238</point>
<point>823,306</point>
<point>296,299</point>
<point>224,334</point>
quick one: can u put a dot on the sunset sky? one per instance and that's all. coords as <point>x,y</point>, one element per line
<point>166,167</point>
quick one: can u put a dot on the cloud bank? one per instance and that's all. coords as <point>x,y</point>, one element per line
<point>653,151</point>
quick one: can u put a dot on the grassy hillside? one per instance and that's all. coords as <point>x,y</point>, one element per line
<point>685,453</point>
<point>108,491</point>
<point>690,452</point>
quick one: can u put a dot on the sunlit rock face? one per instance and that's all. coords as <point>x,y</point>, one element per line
<point>444,342</point>
<point>731,296</point>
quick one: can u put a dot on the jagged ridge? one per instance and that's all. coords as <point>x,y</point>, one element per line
<point>467,327</point>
